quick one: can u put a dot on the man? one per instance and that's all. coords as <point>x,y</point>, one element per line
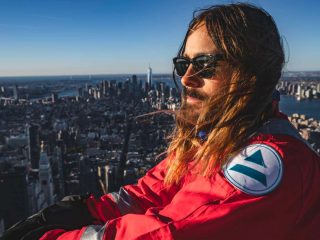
<point>235,167</point>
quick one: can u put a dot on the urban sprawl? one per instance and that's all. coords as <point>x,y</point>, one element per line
<point>95,141</point>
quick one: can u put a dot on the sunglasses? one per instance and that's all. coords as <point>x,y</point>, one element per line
<point>204,65</point>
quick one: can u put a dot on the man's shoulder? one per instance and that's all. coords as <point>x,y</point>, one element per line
<point>270,160</point>
<point>257,169</point>
<point>291,147</point>
<point>281,135</point>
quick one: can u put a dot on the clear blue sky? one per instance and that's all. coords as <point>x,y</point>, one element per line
<point>57,37</point>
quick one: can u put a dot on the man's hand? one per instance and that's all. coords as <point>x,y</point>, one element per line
<point>70,213</point>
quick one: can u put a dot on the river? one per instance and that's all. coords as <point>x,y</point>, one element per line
<point>311,108</point>
<point>288,104</point>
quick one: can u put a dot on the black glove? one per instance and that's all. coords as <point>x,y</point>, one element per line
<point>70,213</point>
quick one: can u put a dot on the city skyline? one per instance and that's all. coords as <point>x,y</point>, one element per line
<point>110,37</point>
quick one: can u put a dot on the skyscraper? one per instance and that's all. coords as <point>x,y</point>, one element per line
<point>105,85</point>
<point>33,145</point>
<point>54,97</point>
<point>15,92</point>
<point>149,77</point>
<point>45,177</point>
<point>14,195</point>
<point>134,80</point>
<point>58,157</point>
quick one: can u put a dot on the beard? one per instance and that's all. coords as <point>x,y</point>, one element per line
<point>197,116</point>
<point>188,114</point>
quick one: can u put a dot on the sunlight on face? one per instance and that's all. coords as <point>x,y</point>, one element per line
<point>197,88</point>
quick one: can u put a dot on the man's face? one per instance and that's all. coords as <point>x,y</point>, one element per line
<point>196,88</point>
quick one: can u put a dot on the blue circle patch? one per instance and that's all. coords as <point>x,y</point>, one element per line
<point>256,170</point>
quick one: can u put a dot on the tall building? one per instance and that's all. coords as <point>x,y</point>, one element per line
<point>14,195</point>
<point>54,97</point>
<point>89,176</point>
<point>134,79</point>
<point>105,85</point>
<point>36,197</point>
<point>110,178</point>
<point>45,177</point>
<point>58,158</point>
<point>149,77</point>
<point>2,91</point>
<point>15,92</point>
<point>33,145</point>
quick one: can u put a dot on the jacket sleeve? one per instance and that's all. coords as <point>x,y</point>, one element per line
<point>222,212</point>
<point>148,192</point>
<point>214,209</point>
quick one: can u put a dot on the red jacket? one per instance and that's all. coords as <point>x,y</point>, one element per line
<point>270,191</point>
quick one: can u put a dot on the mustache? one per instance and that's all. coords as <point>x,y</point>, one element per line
<point>193,93</point>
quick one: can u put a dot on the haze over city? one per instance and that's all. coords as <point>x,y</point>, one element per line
<point>115,37</point>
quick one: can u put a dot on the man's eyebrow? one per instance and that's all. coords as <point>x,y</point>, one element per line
<point>185,55</point>
<point>199,54</point>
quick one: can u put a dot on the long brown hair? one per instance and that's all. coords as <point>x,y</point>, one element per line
<point>248,38</point>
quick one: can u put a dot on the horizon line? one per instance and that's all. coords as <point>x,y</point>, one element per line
<point>99,74</point>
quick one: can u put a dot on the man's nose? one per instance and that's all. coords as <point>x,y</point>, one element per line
<point>190,78</point>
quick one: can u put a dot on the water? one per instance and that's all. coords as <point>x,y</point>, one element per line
<point>311,108</point>
<point>82,78</point>
<point>68,93</point>
<point>288,104</point>
<point>79,78</point>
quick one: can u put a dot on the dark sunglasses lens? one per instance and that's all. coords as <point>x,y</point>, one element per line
<point>202,62</point>
<point>205,65</point>
<point>181,66</point>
